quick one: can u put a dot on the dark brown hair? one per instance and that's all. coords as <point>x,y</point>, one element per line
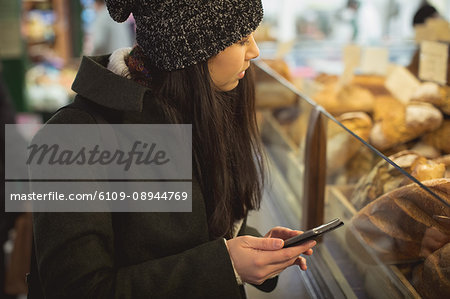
<point>226,147</point>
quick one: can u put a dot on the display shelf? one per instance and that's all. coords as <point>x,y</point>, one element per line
<point>363,259</point>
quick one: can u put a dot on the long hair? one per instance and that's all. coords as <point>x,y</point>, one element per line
<point>226,147</point>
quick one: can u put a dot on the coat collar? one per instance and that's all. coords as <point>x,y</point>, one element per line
<point>98,84</point>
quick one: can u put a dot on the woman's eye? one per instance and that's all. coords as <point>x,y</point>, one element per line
<point>244,42</point>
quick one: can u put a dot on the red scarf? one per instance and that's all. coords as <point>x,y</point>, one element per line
<point>138,71</point>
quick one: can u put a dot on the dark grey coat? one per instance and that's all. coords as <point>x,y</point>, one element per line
<point>129,255</point>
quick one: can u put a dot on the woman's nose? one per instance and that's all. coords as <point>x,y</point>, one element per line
<point>252,50</point>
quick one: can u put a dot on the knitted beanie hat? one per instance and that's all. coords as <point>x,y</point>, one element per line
<point>175,34</point>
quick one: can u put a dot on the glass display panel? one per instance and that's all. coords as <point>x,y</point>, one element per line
<point>396,207</point>
<point>397,233</point>
<point>284,117</point>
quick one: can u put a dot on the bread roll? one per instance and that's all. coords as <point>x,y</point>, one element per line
<point>422,117</point>
<point>394,224</point>
<point>443,159</point>
<point>396,124</point>
<point>426,150</point>
<point>446,161</point>
<point>423,169</point>
<point>428,92</point>
<point>434,94</point>
<point>440,138</point>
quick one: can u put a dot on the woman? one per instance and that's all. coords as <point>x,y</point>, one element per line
<point>190,65</point>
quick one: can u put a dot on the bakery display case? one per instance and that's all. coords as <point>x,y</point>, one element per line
<point>395,205</point>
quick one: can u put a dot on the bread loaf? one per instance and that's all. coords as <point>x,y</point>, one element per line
<point>440,138</point>
<point>375,84</point>
<point>446,161</point>
<point>445,106</point>
<point>423,169</point>
<point>337,100</point>
<point>426,150</point>
<point>428,92</point>
<point>434,94</point>
<point>396,124</point>
<point>394,224</point>
<point>384,177</point>
<point>432,278</point>
<point>342,146</point>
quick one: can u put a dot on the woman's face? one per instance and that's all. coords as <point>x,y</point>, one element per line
<point>228,67</point>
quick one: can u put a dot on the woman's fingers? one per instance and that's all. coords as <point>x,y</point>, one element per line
<point>278,268</point>
<point>286,254</point>
<point>301,262</point>
<point>265,244</point>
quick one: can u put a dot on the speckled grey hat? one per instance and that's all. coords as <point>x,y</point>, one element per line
<point>178,33</point>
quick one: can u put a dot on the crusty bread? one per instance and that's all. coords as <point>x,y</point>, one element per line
<point>440,138</point>
<point>445,106</point>
<point>446,161</point>
<point>432,278</point>
<point>394,224</point>
<point>342,146</point>
<point>384,177</point>
<point>337,100</point>
<point>352,98</point>
<point>424,170</point>
<point>434,94</point>
<point>443,159</point>
<point>428,92</point>
<point>397,124</point>
<point>375,84</point>
<point>426,150</point>
<point>359,123</point>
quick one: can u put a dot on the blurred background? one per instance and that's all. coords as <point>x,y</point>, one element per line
<point>314,44</point>
<point>41,41</point>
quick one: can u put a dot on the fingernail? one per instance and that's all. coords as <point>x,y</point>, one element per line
<point>278,243</point>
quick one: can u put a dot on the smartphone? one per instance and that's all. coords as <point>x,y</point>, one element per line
<point>313,233</point>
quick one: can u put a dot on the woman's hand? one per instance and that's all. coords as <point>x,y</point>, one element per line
<point>257,259</point>
<point>286,233</point>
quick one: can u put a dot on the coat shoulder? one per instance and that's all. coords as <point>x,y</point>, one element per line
<point>71,116</point>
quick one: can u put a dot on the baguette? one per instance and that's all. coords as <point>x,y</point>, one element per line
<point>394,224</point>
